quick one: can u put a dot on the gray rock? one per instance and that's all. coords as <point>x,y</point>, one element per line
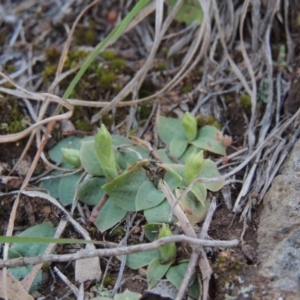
<point>279,229</point>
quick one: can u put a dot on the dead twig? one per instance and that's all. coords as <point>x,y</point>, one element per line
<point>116,251</point>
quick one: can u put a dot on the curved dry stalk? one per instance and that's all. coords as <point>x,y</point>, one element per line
<point>290,44</point>
<point>75,102</point>
<point>189,231</point>
<point>45,97</point>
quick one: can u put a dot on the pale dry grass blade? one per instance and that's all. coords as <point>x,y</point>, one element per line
<point>65,279</point>
<point>253,91</point>
<point>290,43</point>
<point>43,97</point>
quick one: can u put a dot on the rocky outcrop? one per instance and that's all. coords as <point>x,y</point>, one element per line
<point>279,230</point>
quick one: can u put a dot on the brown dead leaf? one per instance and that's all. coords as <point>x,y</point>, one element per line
<point>11,181</point>
<point>14,289</point>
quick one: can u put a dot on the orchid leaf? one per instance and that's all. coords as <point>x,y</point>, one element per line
<point>177,146</point>
<point>88,158</point>
<point>211,139</point>
<point>109,215</point>
<point>156,271</point>
<point>124,188</point>
<point>67,188</point>
<point>148,196</point>
<point>168,128</point>
<point>90,191</point>
<point>105,153</point>
<point>194,209</point>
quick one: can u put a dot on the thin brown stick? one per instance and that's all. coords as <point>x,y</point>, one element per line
<point>97,208</point>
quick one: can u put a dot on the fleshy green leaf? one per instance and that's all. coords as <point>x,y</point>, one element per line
<point>101,298</point>
<point>128,295</point>
<point>89,160</point>
<point>156,271</point>
<point>31,250</point>
<point>140,259</point>
<point>90,191</point>
<point>211,139</point>
<point>194,209</point>
<point>167,252</point>
<point>165,158</point>
<point>210,170</point>
<point>176,274</point>
<point>173,179</point>
<point>168,128</point>
<point>192,166</point>
<point>70,142</point>
<point>148,196</point>
<point>161,213</point>
<point>67,188</point>
<point>72,156</point>
<point>151,230</point>
<point>189,124</point>
<point>178,145</point>
<point>109,215</point>
<point>105,153</point>
<point>199,190</point>
<point>119,140</point>
<point>21,272</point>
<point>52,184</point>
<point>127,156</point>
<point>177,168</point>
<point>189,12</point>
<point>189,150</point>
<point>123,189</point>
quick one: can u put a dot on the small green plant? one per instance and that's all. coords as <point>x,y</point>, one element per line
<point>183,136</point>
<point>115,168</point>
<point>263,90</point>
<point>162,262</point>
<point>189,12</point>
<point>245,101</point>
<point>281,60</point>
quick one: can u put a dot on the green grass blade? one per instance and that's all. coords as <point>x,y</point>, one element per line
<point>111,38</point>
